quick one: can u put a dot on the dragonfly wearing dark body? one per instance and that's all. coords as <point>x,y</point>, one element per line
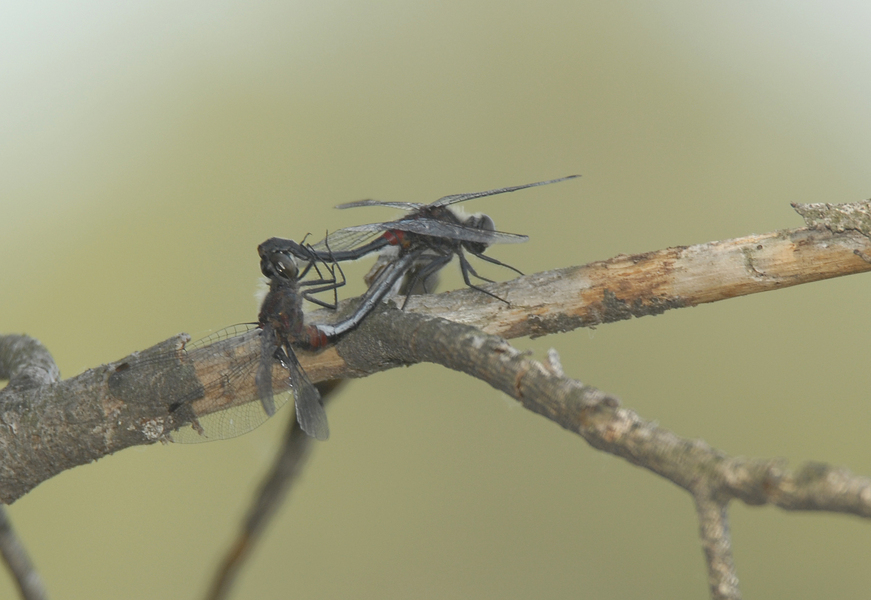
<point>232,390</point>
<point>236,392</point>
<point>282,326</point>
<point>433,231</point>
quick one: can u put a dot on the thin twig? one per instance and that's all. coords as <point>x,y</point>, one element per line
<point>274,488</point>
<point>598,417</point>
<point>16,559</point>
<point>717,546</point>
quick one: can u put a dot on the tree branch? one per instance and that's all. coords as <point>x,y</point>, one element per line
<point>710,476</point>
<point>651,283</point>
<point>26,364</point>
<point>717,546</point>
<point>55,427</point>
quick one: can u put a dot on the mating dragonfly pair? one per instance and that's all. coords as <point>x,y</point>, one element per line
<point>412,249</point>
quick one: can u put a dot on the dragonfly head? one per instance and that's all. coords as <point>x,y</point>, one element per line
<point>483,222</point>
<point>278,257</point>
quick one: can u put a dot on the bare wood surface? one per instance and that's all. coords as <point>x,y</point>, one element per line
<point>651,283</point>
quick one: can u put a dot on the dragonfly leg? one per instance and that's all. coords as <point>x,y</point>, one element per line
<point>492,260</point>
<point>466,269</point>
<point>424,273</point>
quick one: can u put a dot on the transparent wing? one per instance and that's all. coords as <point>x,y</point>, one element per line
<point>454,198</point>
<point>229,402</point>
<point>437,228</point>
<point>310,411</point>
<point>343,240</point>
<point>409,206</point>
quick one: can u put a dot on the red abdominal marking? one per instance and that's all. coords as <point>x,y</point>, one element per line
<point>394,237</point>
<point>314,338</point>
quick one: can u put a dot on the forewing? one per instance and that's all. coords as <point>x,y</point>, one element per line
<point>455,231</point>
<point>409,206</point>
<point>229,403</point>
<point>454,198</point>
<point>349,238</point>
<point>310,413</point>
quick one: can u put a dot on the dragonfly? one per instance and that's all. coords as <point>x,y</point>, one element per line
<point>246,372</point>
<point>282,328</point>
<point>433,231</point>
<point>234,380</point>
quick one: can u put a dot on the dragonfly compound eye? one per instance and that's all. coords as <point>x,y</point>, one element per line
<point>481,222</point>
<point>283,265</point>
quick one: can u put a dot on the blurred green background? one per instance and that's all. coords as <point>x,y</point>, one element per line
<point>148,147</point>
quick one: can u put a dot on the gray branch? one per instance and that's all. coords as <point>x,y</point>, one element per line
<point>710,476</point>
<point>26,364</point>
<point>717,546</point>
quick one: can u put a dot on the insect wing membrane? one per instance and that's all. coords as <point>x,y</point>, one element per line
<point>409,206</point>
<point>310,413</point>
<point>229,403</point>
<point>454,198</point>
<point>453,231</point>
<point>348,238</point>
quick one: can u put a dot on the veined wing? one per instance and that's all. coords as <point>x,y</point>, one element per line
<point>408,206</point>
<point>454,198</point>
<point>228,404</point>
<point>439,229</point>
<point>346,239</point>
<point>310,413</point>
